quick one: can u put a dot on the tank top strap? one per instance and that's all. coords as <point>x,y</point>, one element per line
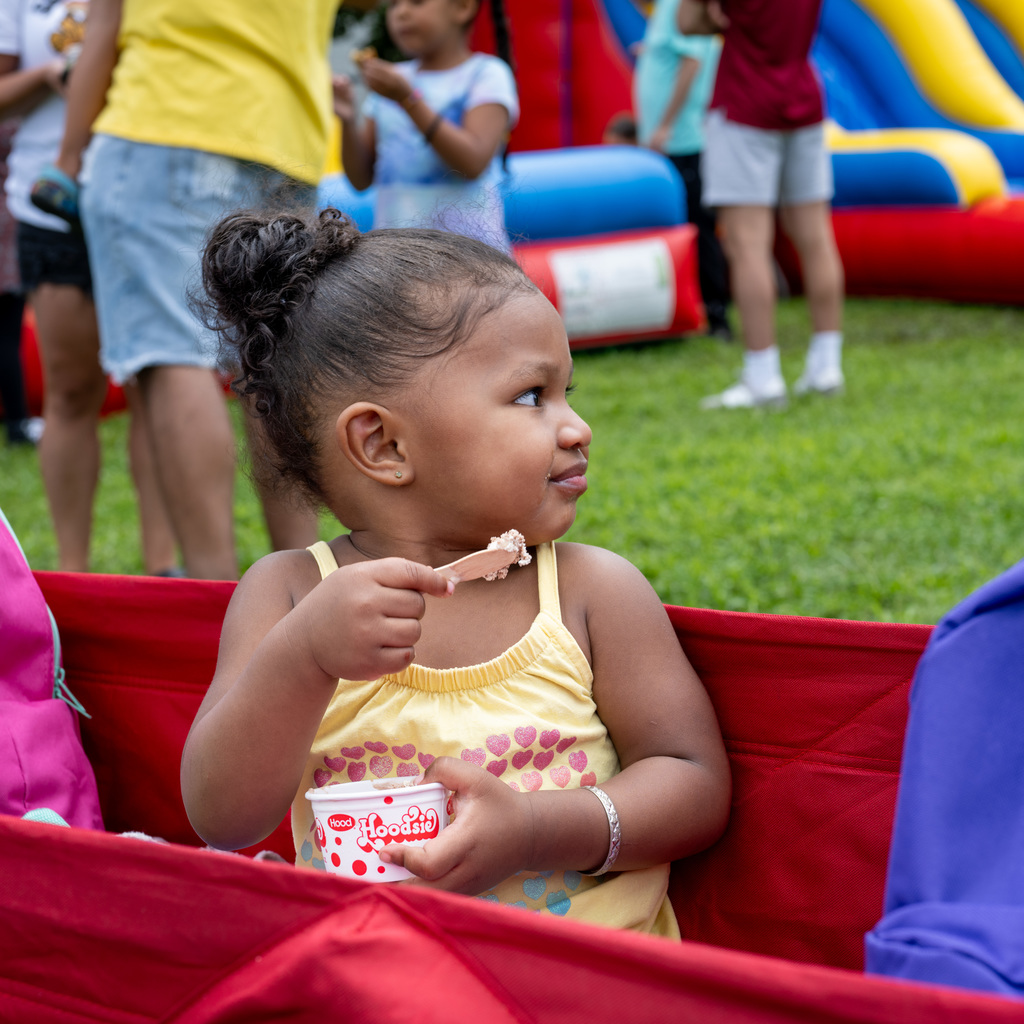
<point>324,556</point>
<point>547,580</point>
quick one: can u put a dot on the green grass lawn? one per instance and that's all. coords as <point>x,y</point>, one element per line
<point>891,502</point>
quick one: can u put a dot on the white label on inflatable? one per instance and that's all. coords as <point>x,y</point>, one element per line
<point>617,288</point>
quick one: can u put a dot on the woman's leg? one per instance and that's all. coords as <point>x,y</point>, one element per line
<point>156,536</point>
<point>74,387</point>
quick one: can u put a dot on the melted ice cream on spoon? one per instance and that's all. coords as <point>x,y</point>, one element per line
<point>492,562</point>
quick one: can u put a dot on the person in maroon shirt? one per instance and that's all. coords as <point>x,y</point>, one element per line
<point>765,151</point>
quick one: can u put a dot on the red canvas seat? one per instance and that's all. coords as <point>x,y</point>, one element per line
<point>103,927</point>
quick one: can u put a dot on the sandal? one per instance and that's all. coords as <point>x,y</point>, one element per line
<point>55,193</point>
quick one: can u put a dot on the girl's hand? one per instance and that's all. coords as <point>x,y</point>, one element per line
<point>344,97</point>
<point>381,76</point>
<point>363,621</point>
<point>490,839</point>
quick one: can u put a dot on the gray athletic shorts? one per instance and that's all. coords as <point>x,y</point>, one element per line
<point>746,166</point>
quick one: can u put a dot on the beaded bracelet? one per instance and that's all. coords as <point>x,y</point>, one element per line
<point>614,830</point>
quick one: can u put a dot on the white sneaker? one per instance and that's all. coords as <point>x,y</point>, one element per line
<point>742,396</point>
<point>824,382</point>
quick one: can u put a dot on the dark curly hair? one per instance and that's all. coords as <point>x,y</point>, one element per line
<point>307,308</point>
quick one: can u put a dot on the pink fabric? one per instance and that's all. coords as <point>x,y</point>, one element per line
<point>42,763</point>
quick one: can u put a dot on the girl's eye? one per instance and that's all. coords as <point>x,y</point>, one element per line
<point>531,397</point>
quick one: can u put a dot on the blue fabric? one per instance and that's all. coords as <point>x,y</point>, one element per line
<point>954,905</point>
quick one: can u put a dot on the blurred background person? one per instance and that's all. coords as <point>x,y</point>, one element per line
<point>38,42</point>
<point>672,86</point>
<point>194,109</point>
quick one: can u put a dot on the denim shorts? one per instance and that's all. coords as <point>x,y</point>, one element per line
<point>746,166</point>
<point>146,211</point>
<point>52,257</point>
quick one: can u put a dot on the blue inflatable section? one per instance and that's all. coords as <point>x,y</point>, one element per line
<point>868,86</point>
<point>564,193</point>
<point>891,178</point>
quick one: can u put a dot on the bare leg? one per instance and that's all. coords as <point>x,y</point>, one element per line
<point>748,234</point>
<point>809,226</point>
<point>289,523</point>
<point>156,535</point>
<point>74,389</point>
<point>194,447</point>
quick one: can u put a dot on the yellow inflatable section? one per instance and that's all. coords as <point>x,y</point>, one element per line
<point>971,165</point>
<point>947,61</point>
<point>1009,14</point>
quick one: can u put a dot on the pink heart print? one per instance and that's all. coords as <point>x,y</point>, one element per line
<point>321,777</point>
<point>426,760</point>
<point>408,770</point>
<point>565,744</point>
<point>549,738</point>
<point>475,756</point>
<point>497,745</point>
<point>381,766</point>
<point>497,768</point>
<point>336,764</point>
<point>590,779</point>
<point>525,735</point>
<point>356,771</point>
<point>543,759</point>
<point>377,747</point>
<point>521,758</point>
<point>578,760</point>
<point>406,752</point>
<point>354,752</point>
<point>532,781</point>
<point>560,776</point>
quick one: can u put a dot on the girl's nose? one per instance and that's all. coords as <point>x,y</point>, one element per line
<point>574,432</point>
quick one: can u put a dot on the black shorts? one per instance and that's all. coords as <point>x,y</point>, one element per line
<point>52,257</point>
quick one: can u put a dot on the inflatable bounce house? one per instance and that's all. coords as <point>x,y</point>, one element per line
<point>926,107</point>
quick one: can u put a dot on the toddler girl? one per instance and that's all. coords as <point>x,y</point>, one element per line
<point>415,383</point>
<point>434,126</point>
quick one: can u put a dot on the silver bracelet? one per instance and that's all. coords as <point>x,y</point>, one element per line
<point>615,840</point>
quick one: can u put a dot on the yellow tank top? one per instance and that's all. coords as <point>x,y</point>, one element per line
<point>232,77</point>
<point>528,716</point>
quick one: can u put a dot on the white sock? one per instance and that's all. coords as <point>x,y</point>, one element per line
<point>825,353</point>
<point>761,369</point>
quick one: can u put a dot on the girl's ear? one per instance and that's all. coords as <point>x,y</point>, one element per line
<point>466,11</point>
<point>368,437</point>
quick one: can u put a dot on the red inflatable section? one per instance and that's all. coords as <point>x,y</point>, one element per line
<point>572,73</point>
<point>971,255</point>
<point>621,287</point>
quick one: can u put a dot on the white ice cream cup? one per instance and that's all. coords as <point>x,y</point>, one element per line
<point>355,820</point>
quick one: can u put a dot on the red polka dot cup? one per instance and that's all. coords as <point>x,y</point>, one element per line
<point>356,820</point>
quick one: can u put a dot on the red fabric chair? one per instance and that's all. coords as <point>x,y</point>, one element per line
<point>101,927</point>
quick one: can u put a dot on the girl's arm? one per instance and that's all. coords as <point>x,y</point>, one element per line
<point>673,792</point>
<point>21,90</point>
<point>283,647</point>
<point>88,85</point>
<point>358,140</point>
<point>467,149</point>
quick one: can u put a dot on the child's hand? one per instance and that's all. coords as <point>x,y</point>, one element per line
<point>381,76</point>
<point>489,840</point>
<point>363,621</point>
<point>344,97</point>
